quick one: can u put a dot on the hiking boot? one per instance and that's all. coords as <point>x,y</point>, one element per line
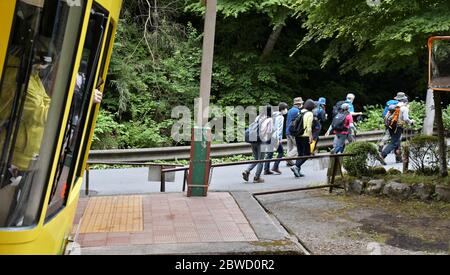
<point>296,171</point>
<point>276,171</point>
<point>268,172</point>
<point>258,180</point>
<point>245,175</point>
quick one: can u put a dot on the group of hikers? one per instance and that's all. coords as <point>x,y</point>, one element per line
<point>304,122</point>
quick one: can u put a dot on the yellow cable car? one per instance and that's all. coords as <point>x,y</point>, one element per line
<point>54,56</point>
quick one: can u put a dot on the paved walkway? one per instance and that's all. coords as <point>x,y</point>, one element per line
<point>128,215</point>
<point>174,224</point>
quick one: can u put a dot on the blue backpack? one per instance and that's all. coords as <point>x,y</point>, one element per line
<point>389,103</point>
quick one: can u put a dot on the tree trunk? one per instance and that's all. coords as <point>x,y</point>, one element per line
<point>273,38</point>
<point>442,140</point>
<point>428,123</point>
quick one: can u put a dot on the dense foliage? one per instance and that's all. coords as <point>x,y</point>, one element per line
<point>340,46</point>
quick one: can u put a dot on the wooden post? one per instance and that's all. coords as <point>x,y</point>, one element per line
<point>333,175</point>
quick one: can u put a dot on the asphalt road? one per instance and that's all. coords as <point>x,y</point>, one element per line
<point>135,180</point>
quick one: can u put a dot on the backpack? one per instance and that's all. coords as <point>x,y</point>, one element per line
<point>252,133</point>
<point>389,103</point>
<point>337,108</point>
<point>338,122</point>
<point>296,128</point>
<point>391,119</point>
<point>266,130</point>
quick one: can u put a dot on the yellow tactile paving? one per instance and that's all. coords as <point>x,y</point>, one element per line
<point>113,214</point>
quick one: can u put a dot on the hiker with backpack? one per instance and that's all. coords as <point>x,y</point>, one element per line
<point>277,139</point>
<point>291,143</point>
<point>337,108</point>
<point>396,121</point>
<point>390,105</point>
<point>259,135</point>
<point>341,126</point>
<point>320,116</point>
<point>301,129</point>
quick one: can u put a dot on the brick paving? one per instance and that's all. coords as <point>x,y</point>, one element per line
<point>169,218</point>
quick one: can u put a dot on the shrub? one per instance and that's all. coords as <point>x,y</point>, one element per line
<point>366,154</point>
<point>379,170</point>
<point>423,154</point>
<point>393,171</point>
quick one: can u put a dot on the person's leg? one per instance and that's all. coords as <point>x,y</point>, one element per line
<point>299,146</point>
<point>306,149</point>
<point>267,164</point>
<point>291,147</point>
<point>339,143</point>
<point>280,151</point>
<point>291,150</point>
<point>255,156</point>
<point>395,142</point>
<point>260,166</point>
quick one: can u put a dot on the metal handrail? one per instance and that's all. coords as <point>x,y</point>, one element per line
<point>236,163</point>
<point>217,150</point>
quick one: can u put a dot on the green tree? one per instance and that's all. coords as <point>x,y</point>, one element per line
<point>390,36</point>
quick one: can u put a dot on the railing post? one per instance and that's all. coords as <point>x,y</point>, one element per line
<point>86,192</point>
<point>163,180</point>
<point>184,180</point>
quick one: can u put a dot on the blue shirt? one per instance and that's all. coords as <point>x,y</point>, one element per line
<point>292,114</point>
<point>351,109</point>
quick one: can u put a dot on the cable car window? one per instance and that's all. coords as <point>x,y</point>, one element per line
<point>92,113</point>
<point>440,64</point>
<point>80,103</point>
<point>33,94</point>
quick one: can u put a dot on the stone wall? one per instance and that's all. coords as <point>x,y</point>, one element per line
<point>397,190</point>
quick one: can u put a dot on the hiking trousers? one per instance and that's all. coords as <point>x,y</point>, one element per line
<point>291,147</point>
<point>303,148</point>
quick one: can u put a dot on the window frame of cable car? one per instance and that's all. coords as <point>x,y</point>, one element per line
<point>59,94</point>
<point>431,79</point>
<point>95,56</point>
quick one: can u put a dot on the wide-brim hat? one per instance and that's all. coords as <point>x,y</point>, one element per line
<point>401,96</point>
<point>298,101</point>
